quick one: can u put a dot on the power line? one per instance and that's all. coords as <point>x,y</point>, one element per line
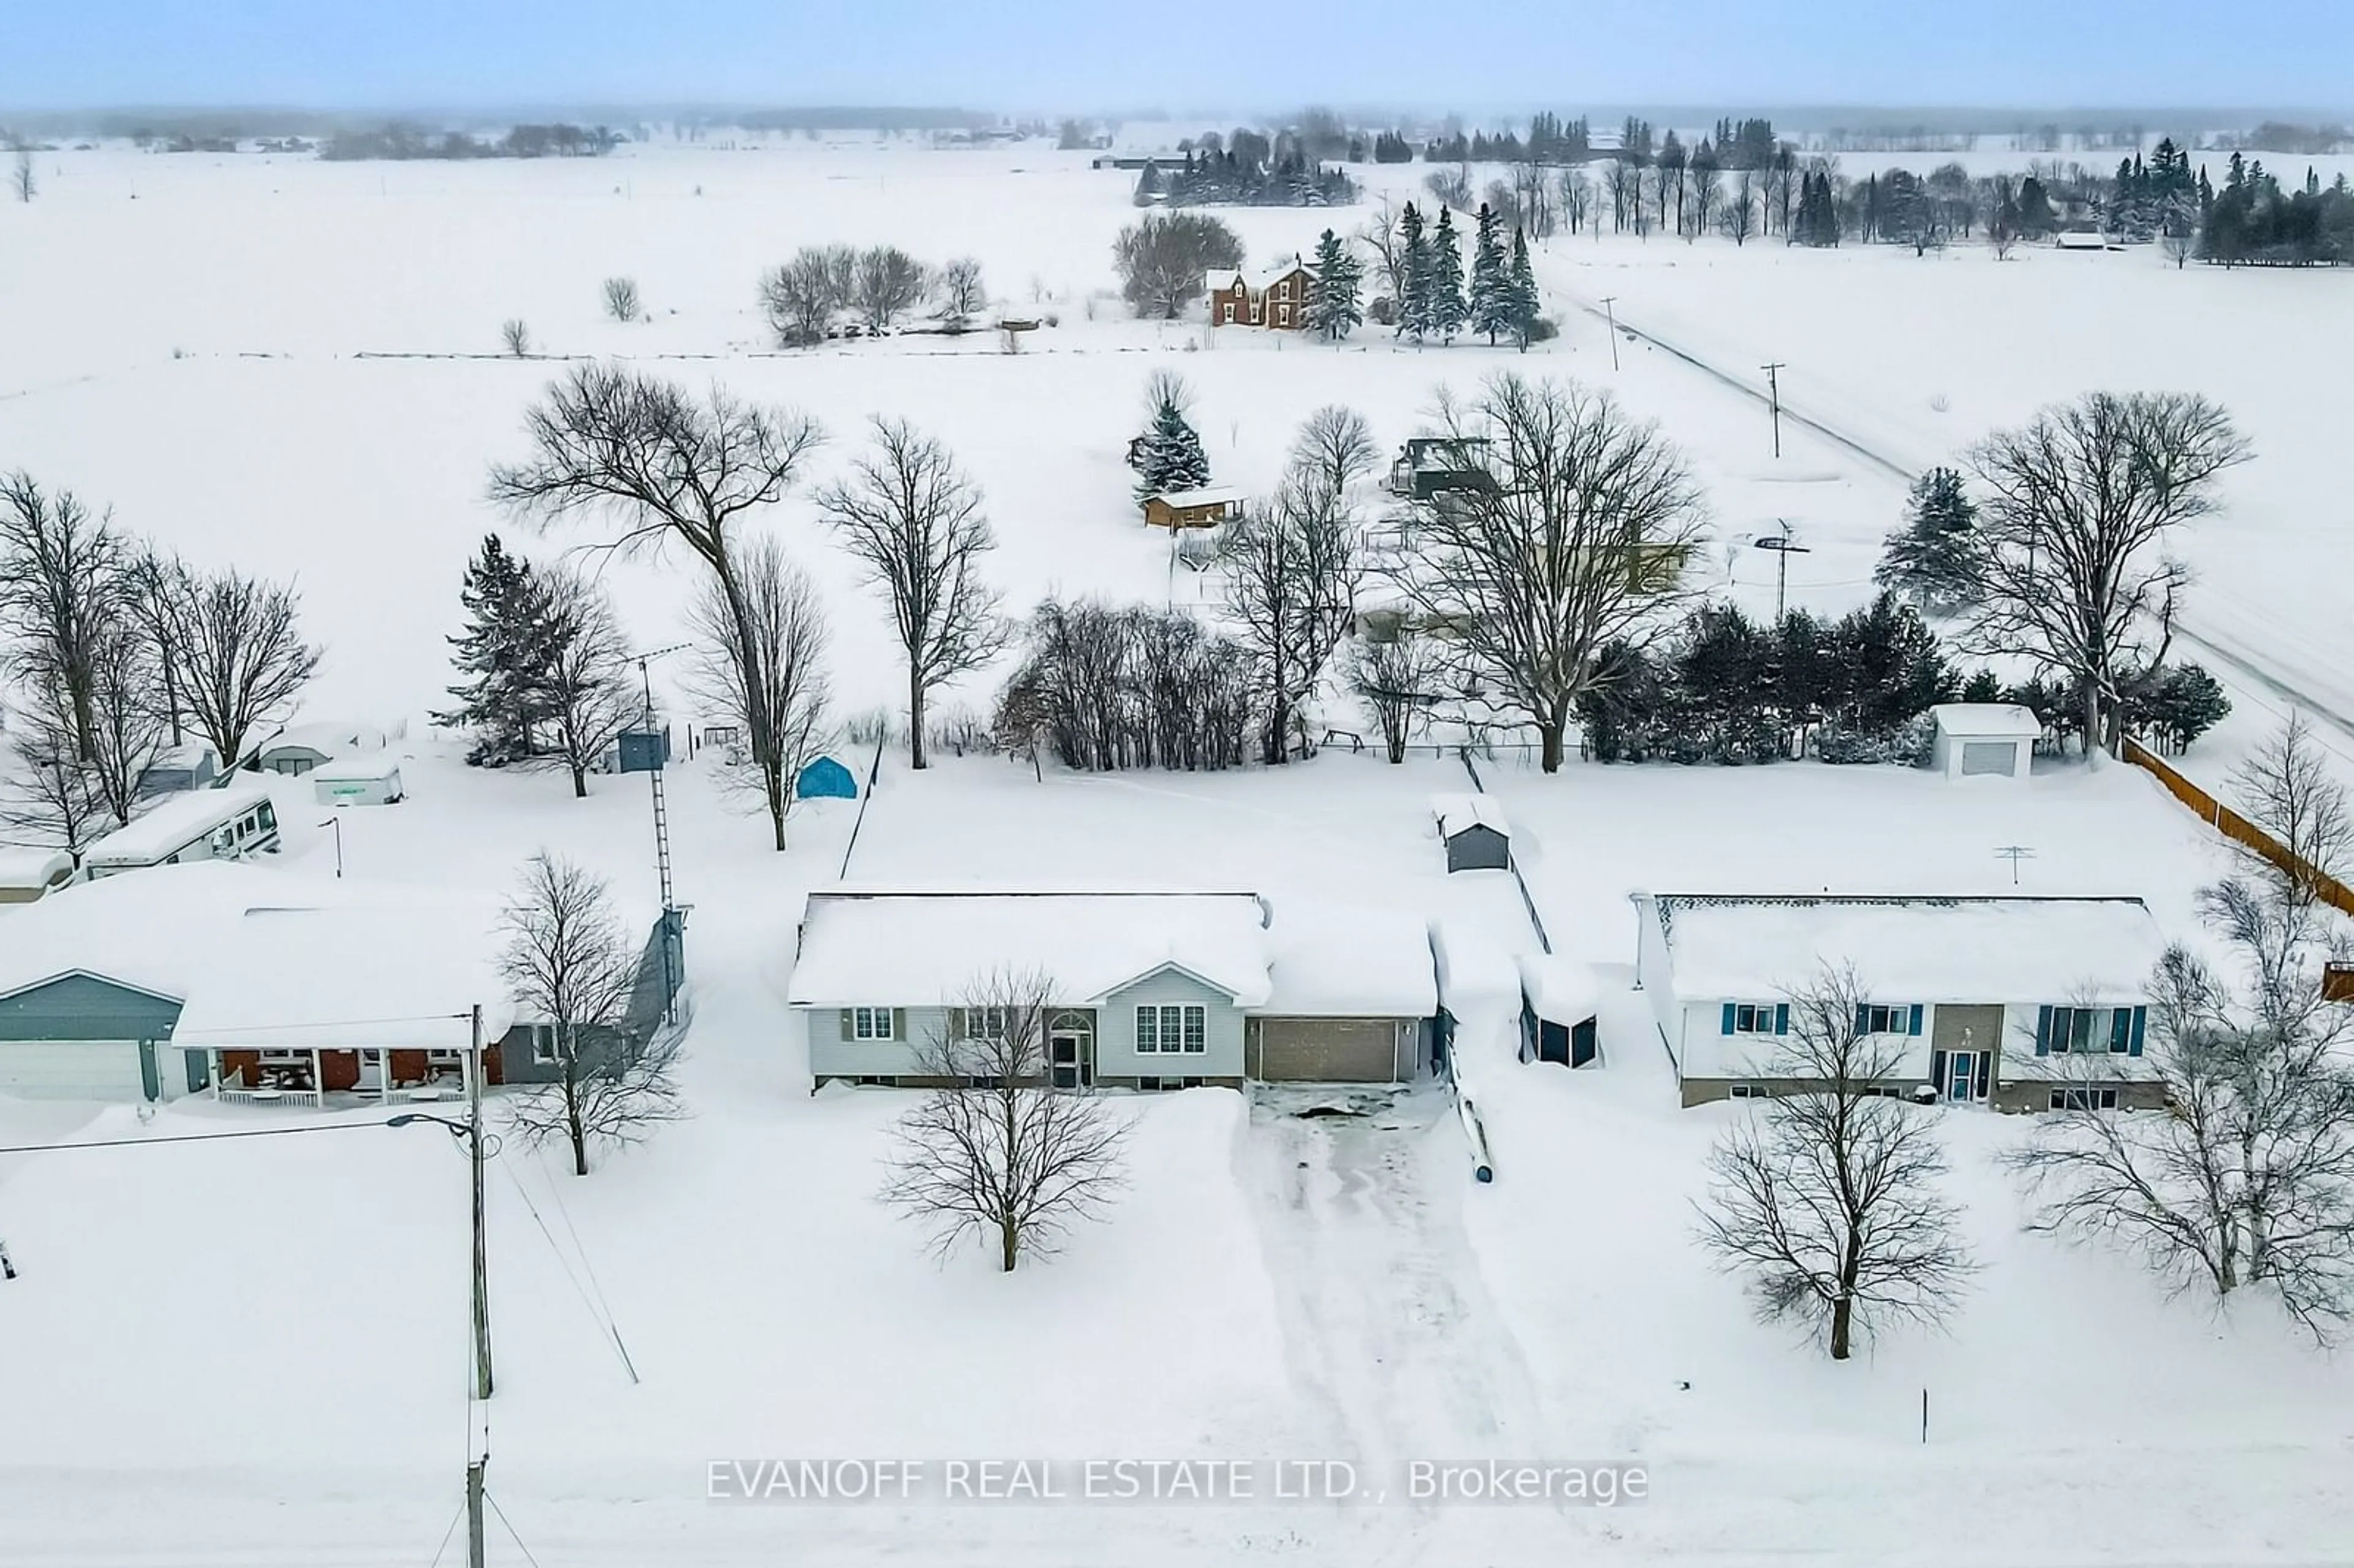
<point>193,1138</point>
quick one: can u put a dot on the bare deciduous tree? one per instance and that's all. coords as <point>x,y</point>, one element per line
<point>621,300</point>
<point>571,968</point>
<point>1002,1156</point>
<point>2078,504</point>
<point>128,721</point>
<point>2285,788</point>
<point>668,466</point>
<point>1295,567</point>
<point>913,521</point>
<point>1163,257</point>
<point>241,654</point>
<point>1381,235</point>
<point>516,338</point>
<point>1738,215</point>
<point>51,798</point>
<point>1825,1197</point>
<point>1576,534</point>
<point>1336,446</point>
<point>889,284</point>
<point>21,178</point>
<point>801,297</point>
<point>63,573</point>
<point>1397,680</point>
<point>963,297</point>
<point>584,690</point>
<point>763,664</point>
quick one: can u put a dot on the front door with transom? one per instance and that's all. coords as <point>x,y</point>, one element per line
<point>1070,1051</point>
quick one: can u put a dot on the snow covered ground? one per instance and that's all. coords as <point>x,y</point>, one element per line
<point>252,1351</point>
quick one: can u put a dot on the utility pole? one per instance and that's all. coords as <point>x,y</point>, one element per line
<point>1783,548</point>
<point>481,1239</point>
<point>1773,391</point>
<point>1611,317</point>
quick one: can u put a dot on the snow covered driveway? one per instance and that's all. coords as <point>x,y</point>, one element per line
<point>1389,1336</point>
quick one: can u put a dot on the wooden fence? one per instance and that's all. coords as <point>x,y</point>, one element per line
<point>2238,828</point>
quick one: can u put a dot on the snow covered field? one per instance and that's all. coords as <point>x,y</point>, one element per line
<point>251,1351</point>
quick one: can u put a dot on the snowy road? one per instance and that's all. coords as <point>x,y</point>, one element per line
<point>2305,688</point>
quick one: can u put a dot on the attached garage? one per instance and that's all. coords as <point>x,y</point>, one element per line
<point>83,1036</point>
<point>1332,1050</point>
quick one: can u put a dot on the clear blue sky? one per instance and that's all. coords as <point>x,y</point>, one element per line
<point>1090,54</point>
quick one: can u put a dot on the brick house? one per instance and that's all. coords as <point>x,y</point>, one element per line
<point>1277,298</point>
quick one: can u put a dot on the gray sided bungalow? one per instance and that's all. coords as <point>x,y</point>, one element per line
<point>195,979</point>
<point>1150,991</point>
<point>2022,1005</point>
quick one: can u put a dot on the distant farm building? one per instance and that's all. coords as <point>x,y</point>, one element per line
<point>1192,508</point>
<point>1277,298</point>
<point>1430,465</point>
<point>181,768</point>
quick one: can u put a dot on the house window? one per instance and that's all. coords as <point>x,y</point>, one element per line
<point>1747,1091</point>
<point>1170,1030</point>
<point>2084,1099</point>
<point>543,1045</point>
<point>1872,1018</point>
<point>1759,1018</point>
<point>870,1024</point>
<point>2089,1031</point>
<point>984,1022</point>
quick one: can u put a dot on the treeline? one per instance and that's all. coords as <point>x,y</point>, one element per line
<point>2252,222</point>
<point>1230,179</point>
<point>1104,687</point>
<point>398,142</point>
<point>1724,688</point>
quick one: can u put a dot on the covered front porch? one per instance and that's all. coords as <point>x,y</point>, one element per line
<point>324,1076</point>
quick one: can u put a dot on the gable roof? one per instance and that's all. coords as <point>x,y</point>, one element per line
<point>1208,495</point>
<point>932,949</point>
<point>2095,951</point>
<point>1456,812</point>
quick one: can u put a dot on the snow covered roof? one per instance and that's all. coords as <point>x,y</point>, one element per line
<point>193,755</point>
<point>1458,812</point>
<point>326,737</point>
<point>174,822</point>
<point>32,867</point>
<point>1563,990</point>
<point>1330,961</point>
<point>396,975</point>
<point>930,949</point>
<point>2091,950</point>
<point>159,931</point>
<point>366,767</point>
<point>1208,495</point>
<point>1220,279</point>
<point>1988,721</point>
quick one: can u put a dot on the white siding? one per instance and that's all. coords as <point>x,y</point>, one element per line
<point>832,1056</point>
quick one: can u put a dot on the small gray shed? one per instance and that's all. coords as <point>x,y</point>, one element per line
<point>1475,833</point>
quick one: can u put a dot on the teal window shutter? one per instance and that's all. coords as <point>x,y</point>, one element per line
<point>2140,1016</point>
<point>1863,1018</point>
<point>1781,1018</point>
<point>2043,1031</point>
<point>1913,1022</point>
<point>2120,1029</point>
<point>1728,1019</point>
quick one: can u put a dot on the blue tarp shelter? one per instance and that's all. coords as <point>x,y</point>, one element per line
<point>826,779</point>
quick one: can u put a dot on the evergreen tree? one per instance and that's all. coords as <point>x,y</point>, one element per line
<point>1490,301</point>
<point>1335,298</point>
<point>1928,559</point>
<point>1520,292</point>
<point>1414,274</point>
<point>499,656</point>
<point>1168,455</point>
<point>1447,310</point>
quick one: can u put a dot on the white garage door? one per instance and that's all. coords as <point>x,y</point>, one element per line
<point>71,1070</point>
<point>1329,1050</point>
<point>1989,757</point>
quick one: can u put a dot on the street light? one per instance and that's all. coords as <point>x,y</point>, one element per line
<point>337,823</point>
<point>1783,550</point>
